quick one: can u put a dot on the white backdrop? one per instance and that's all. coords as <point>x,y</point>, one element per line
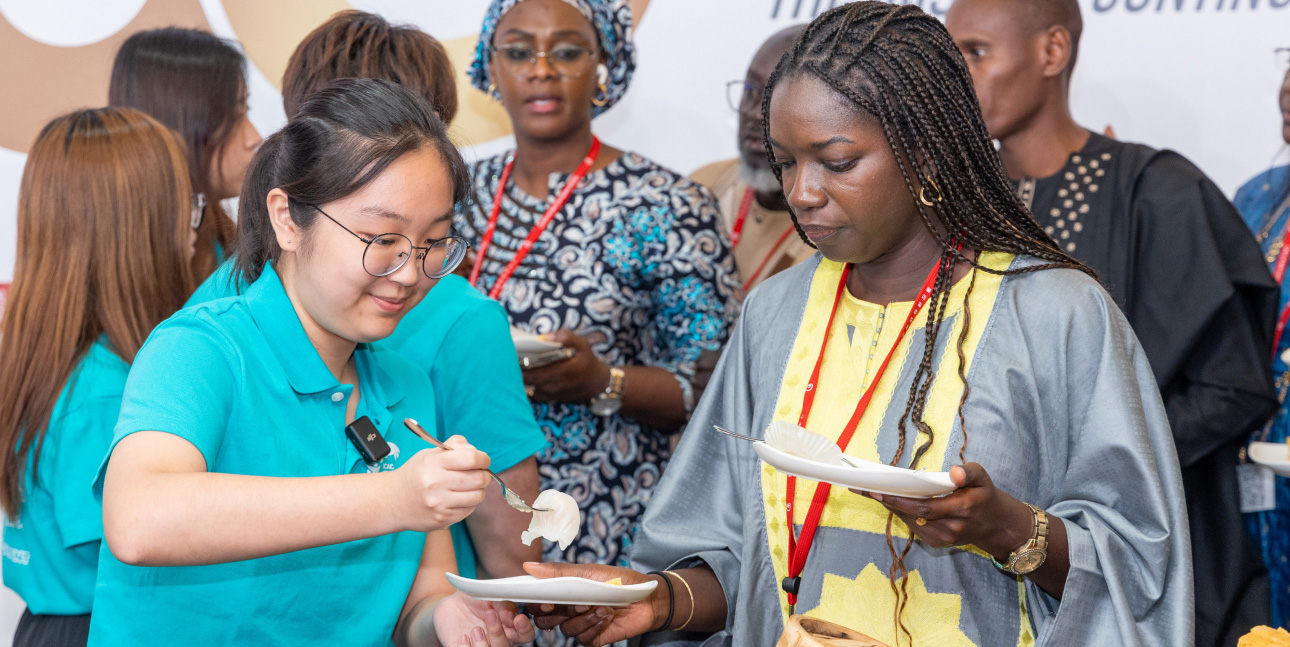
<point>1197,76</point>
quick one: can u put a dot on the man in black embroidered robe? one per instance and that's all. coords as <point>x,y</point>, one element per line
<point>1175,256</point>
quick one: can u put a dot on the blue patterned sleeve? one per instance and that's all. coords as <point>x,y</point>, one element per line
<point>694,286</point>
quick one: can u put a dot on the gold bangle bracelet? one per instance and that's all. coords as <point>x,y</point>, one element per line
<point>691,594</point>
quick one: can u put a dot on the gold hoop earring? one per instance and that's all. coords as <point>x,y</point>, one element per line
<point>922,193</point>
<point>603,99</point>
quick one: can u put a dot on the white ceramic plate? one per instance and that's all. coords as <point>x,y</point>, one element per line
<point>1275,456</point>
<point>527,344</point>
<point>869,476</point>
<point>556,590</point>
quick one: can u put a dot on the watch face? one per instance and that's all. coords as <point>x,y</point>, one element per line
<point>1028,561</point>
<point>606,406</point>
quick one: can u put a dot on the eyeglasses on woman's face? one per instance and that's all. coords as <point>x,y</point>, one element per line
<point>197,210</point>
<point>567,60</point>
<point>386,253</point>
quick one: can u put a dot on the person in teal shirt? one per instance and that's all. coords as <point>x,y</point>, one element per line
<point>460,337</point>
<point>236,508</point>
<point>74,322</point>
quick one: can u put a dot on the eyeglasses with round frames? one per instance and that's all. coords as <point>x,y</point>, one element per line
<point>568,61</point>
<point>386,253</point>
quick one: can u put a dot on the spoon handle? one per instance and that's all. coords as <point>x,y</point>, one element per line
<point>735,435</point>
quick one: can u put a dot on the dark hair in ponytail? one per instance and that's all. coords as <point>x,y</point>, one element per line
<point>343,137</point>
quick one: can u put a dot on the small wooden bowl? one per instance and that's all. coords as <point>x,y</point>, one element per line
<point>803,631</point>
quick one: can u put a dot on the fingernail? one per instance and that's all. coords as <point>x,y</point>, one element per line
<point>491,617</point>
<point>603,612</point>
<point>477,634</point>
<point>876,497</point>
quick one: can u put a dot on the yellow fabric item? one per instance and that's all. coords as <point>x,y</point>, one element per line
<point>847,369</point>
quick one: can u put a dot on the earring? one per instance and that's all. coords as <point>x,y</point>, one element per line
<point>492,91</point>
<point>602,77</point>
<point>922,193</point>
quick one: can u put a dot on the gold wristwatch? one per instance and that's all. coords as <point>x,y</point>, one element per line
<point>1032,554</point>
<point>609,402</point>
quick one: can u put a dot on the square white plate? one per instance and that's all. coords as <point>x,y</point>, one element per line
<point>556,590</point>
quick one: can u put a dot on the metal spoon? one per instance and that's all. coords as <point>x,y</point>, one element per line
<point>512,499</point>
<point>758,440</point>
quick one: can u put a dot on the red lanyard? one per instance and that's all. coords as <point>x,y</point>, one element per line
<point>1278,273</point>
<point>738,230</point>
<point>536,231</point>
<point>798,550</point>
<point>761,266</point>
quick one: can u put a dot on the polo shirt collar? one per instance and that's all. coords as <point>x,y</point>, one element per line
<point>276,318</point>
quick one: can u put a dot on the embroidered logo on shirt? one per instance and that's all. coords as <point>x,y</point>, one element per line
<point>388,463</point>
<point>19,557</point>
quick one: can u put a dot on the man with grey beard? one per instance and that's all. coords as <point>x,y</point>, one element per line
<point>752,202</point>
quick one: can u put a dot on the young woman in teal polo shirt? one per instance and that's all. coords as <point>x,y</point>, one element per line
<point>104,241</point>
<point>236,511</point>
<point>458,336</point>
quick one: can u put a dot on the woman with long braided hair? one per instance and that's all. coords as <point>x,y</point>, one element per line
<point>1014,371</point>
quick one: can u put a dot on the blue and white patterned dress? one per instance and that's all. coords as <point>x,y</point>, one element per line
<point>1264,202</point>
<point>637,263</point>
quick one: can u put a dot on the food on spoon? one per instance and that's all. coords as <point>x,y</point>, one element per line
<point>617,581</point>
<point>559,524</point>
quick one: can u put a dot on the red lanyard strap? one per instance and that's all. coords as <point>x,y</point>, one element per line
<point>762,265</point>
<point>1279,273</point>
<point>798,550</point>
<point>744,205</point>
<point>560,200</point>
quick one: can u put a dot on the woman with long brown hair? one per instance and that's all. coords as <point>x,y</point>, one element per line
<point>104,242</point>
<point>939,329</point>
<point>195,83</point>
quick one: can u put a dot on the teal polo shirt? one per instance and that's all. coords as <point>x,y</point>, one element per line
<point>239,379</point>
<point>51,551</point>
<point>462,339</point>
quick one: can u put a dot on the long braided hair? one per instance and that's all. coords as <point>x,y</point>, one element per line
<point>900,65</point>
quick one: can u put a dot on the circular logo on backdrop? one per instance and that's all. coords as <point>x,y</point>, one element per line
<point>58,55</point>
<point>69,23</point>
<point>269,32</point>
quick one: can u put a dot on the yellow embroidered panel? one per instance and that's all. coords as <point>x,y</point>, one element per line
<point>861,336</point>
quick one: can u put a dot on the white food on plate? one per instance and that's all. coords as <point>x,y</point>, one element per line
<point>560,524</point>
<point>791,439</point>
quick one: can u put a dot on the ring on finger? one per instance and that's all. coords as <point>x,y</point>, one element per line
<point>921,521</point>
<point>529,390</point>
